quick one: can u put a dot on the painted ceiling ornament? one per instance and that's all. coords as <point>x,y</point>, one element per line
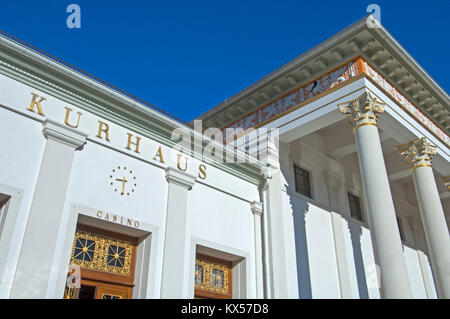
<point>363,110</point>
<point>417,153</point>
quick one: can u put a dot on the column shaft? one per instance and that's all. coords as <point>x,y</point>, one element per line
<point>384,230</point>
<point>435,227</point>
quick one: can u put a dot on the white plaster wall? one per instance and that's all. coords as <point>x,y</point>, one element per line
<point>322,257</point>
<point>426,271</point>
<point>21,152</point>
<point>414,273</point>
<point>360,259</point>
<point>223,220</point>
<point>316,259</point>
<point>22,148</point>
<point>219,208</point>
<point>90,184</point>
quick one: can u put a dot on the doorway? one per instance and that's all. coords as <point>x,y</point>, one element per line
<point>105,263</point>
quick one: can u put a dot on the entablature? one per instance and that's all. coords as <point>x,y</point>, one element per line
<point>356,51</point>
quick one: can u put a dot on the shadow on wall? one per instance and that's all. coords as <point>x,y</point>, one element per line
<point>299,209</point>
<point>355,235</point>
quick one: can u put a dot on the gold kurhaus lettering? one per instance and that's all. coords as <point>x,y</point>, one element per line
<point>66,120</point>
<point>138,140</point>
<point>35,102</point>
<point>179,163</point>
<point>202,171</point>
<point>159,155</point>
<point>103,127</point>
<point>103,133</point>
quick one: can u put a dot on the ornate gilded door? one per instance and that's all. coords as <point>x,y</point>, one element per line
<point>106,262</point>
<point>213,278</point>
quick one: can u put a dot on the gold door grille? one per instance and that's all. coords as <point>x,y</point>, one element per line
<point>212,277</point>
<point>102,253</point>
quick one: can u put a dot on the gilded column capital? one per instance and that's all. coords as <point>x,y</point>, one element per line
<point>363,110</point>
<point>418,153</point>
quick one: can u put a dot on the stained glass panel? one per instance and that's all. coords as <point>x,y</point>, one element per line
<point>212,277</point>
<point>95,252</point>
<point>217,278</point>
<point>198,274</point>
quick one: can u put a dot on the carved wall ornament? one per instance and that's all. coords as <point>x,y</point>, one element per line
<point>363,110</point>
<point>418,153</point>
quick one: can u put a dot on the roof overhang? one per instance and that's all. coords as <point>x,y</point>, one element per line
<point>376,45</point>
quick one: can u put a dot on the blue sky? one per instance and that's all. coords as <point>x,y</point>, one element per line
<point>188,56</point>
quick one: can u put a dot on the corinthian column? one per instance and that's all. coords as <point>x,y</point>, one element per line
<point>418,155</point>
<point>363,112</point>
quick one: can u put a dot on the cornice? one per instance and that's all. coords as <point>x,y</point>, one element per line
<point>286,68</point>
<point>394,63</point>
<point>385,35</point>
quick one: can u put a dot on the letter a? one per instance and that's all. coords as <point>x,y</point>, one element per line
<point>73,20</point>
<point>159,155</point>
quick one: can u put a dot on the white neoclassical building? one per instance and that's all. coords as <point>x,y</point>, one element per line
<point>348,198</point>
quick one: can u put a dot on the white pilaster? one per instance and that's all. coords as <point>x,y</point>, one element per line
<point>419,154</point>
<point>39,243</point>
<point>257,209</point>
<point>281,238</point>
<point>176,249</point>
<point>363,113</point>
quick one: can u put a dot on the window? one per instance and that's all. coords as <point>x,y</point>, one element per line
<point>355,207</point>
<point>302,181</point>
